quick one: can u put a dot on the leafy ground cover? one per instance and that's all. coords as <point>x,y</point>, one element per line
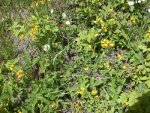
<point>74,56</point>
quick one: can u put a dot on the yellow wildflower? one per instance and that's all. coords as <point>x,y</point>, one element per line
<point>124,66</point>
<point>99,20</point>
<point>42,2</point>
<point>33,37</point>
<point>97,97</point>
<point>33,31</point>
<point>19,74</point>
<point>94,92</point>
<point>80,92</point>
<point>107,65</point>
<point>55,44</point>
<point>36,4</point>
<point>104,29</point>
<point>19,111</point>
<point>24,21</point>
<point>148,34</point>
<point>106,43</point>
<point>126,103</point>
<point>110,10</point>
<point>133,20</point>
<point>89,48</point>
<point>96,35</point>
<point>52,104</point>
<point>21,36</point>
<point>111,44</point>
<point>82,88</point>
<point>120,56</point>
<point>86,68</point>
<point>11,67</point>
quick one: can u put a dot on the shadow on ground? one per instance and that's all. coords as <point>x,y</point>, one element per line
<point>142,106</point>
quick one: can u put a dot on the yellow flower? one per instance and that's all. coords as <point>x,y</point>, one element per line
<point>19,74</point>
<point>94,92</point>
<point>86,68</point>
<point>106,43</point>
<point>124,66</point>
<point>110,10</point>
<point>96,35</point>
<point>24,21</point>
<point>99,20</point>
<point>133,20</point>
<point>104,29</point>
<point>21,36</point>
<point>55,44</point>
<point>42,2</point>
<point>80,92</point>
<point>107,64</point>
<point>97,97</point>
<point>111,44</point>
<point>82,89</point>
<point>120,56</point>
<point>33,37</point>
<point>89,46</point>
<point>36,4</point>
<point>126,103</point>
<point>11,67</point>
<point>148,34</point>
<point>19,111</point>
<point>52,104</point>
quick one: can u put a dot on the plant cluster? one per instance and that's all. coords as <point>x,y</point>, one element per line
<point>90,56</point>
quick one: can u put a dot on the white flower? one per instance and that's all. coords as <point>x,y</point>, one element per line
<point>52,11</point>
<point>46,47</point>
<point>148,10</point>
<point>131,3</point>
<point>143,0</point>
<point>139,1</point>
<point>67,23</point>
<point>64,15</point>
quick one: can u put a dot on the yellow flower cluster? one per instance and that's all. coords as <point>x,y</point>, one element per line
<point>110,10</point>
<point>148,34</point>
<point>133,20</point>
<point>19,111</point>
<point>21,36</point>
<point>124,66</point>
<point>52,104</point>
<point>36,3</point>
<point>86,68</point>
<point>42,2</point>
<point>81,91</point>
<point>100,21</point>
<point>94,92</point>
<point>24,21</point>
<point>11,67</point>
<point>19,74</point>
<point>106,43</point>
<point>120,56</point>
<point>126,103</point>
<point>106,64</point>
<point>33,31</point>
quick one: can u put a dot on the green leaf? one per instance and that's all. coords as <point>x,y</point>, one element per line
<point>148,83</point>
<point>123,97</point>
